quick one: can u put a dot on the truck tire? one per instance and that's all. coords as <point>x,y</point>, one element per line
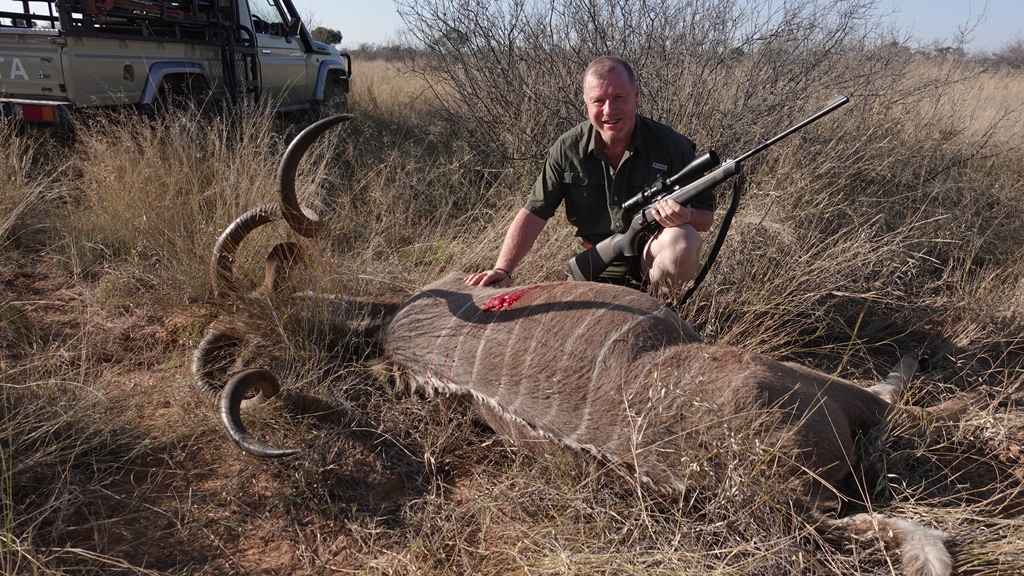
<point>182,96</point>
<point>335,98</point>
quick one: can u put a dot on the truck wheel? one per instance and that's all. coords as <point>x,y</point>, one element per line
<point>182,98</point>
<point>335,98</point>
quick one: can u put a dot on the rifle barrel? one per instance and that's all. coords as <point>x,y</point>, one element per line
<point>836,102</point>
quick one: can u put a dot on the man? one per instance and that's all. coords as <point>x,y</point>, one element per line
<point>598,165</point>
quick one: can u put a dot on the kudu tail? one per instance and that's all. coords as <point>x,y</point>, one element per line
<point>922,550</point>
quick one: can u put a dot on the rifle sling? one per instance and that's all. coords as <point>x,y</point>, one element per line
<point>734,204</point>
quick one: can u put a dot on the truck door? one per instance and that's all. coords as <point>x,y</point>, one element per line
<point>282,61</point>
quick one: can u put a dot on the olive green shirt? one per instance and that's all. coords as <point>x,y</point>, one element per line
<point>578,172</point>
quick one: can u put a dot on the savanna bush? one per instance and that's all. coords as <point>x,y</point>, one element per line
<point>717,70</point>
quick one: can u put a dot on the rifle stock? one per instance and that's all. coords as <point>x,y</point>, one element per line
<point>590,263</point>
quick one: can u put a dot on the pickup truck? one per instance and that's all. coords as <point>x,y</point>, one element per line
<point>57,56</point>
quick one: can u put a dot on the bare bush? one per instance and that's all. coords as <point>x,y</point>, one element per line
<point>714,69</point>
<point>1011,55</point>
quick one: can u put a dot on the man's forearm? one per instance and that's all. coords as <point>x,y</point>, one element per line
<point>521,235</point>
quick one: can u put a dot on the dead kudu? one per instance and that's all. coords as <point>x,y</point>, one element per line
<point>602,369</point>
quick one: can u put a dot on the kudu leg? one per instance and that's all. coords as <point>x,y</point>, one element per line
<point>890,388</point>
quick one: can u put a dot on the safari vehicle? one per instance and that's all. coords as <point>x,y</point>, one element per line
<point>60,55</point>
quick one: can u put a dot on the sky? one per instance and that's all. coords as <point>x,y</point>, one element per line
<point>377,21</point>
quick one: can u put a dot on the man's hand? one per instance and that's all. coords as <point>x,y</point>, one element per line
<point>498,277</point>
<point>670,213</point>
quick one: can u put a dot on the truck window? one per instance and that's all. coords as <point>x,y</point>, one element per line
<point>11,14</point>
<point>268,18</point>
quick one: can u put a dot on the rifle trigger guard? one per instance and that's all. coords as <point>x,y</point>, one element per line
<point>644,220</point>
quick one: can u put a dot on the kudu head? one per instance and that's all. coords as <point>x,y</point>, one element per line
<point>224,337</point>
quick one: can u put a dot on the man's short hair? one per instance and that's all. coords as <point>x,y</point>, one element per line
<point>604,66</point>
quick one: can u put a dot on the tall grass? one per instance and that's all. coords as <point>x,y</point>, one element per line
<point>890,227</point>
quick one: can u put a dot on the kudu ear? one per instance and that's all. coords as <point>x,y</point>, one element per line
<point>279,264</point>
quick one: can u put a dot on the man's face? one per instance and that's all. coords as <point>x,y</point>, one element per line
<point>611,106</point>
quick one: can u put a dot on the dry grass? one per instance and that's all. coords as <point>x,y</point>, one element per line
<point>887,230</point>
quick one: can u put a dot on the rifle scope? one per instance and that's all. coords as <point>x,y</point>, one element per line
<point>690,173</point>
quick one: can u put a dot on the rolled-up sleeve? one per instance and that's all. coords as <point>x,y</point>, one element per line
<point>548,191</point>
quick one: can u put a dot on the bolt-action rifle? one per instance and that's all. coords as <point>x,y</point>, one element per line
<point>682,188</point>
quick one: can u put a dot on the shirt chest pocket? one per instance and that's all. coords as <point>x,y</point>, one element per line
<point>584,200</point>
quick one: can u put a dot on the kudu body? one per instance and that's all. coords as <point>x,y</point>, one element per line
<point>612,372</point>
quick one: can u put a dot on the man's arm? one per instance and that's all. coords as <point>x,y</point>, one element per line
<point>521,235</point>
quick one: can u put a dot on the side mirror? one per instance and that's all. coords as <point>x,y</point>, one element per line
<point>294,25</point>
